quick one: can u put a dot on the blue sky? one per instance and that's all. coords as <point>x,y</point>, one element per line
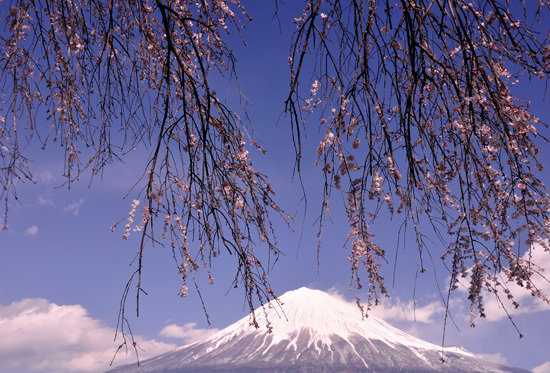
<point>62,271</point>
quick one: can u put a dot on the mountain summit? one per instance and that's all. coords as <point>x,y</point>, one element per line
<point>314,331</point>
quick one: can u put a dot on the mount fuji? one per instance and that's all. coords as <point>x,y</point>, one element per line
<point>313,331</point>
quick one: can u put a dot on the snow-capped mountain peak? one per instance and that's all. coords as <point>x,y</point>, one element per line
<point>309,330</point>
<point>323,316</point>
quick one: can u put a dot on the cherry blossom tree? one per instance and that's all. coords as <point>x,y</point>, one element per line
<point>413,101</point>
<point>415,107</point>
<point>143,69</point>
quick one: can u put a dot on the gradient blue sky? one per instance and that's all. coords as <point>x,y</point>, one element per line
<point>62,271</point>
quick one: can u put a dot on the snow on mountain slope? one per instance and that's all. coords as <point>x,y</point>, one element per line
<point>313,331</point>
<point>324,315</point>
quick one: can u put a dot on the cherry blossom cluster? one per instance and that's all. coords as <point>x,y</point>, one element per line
<point>417,113</point>
<point>113,77</point>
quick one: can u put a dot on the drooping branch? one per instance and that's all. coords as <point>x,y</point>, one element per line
<point>414,102</point>
<point>114,77</point>
<point>415,107</point>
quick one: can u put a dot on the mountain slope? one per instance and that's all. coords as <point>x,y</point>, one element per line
<point>317,332</point>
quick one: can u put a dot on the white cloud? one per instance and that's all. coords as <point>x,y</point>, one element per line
<point>31,231</point>
<point>74,208</point>
<point>38,335</point>
<point>45,177</point>
<point>543,368</point>
<point>496,357</point>
<point>45,199</point>
<point>188,332</point>
<point>528,304</point>
<point>394,309</point>
<point>397,310</point>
